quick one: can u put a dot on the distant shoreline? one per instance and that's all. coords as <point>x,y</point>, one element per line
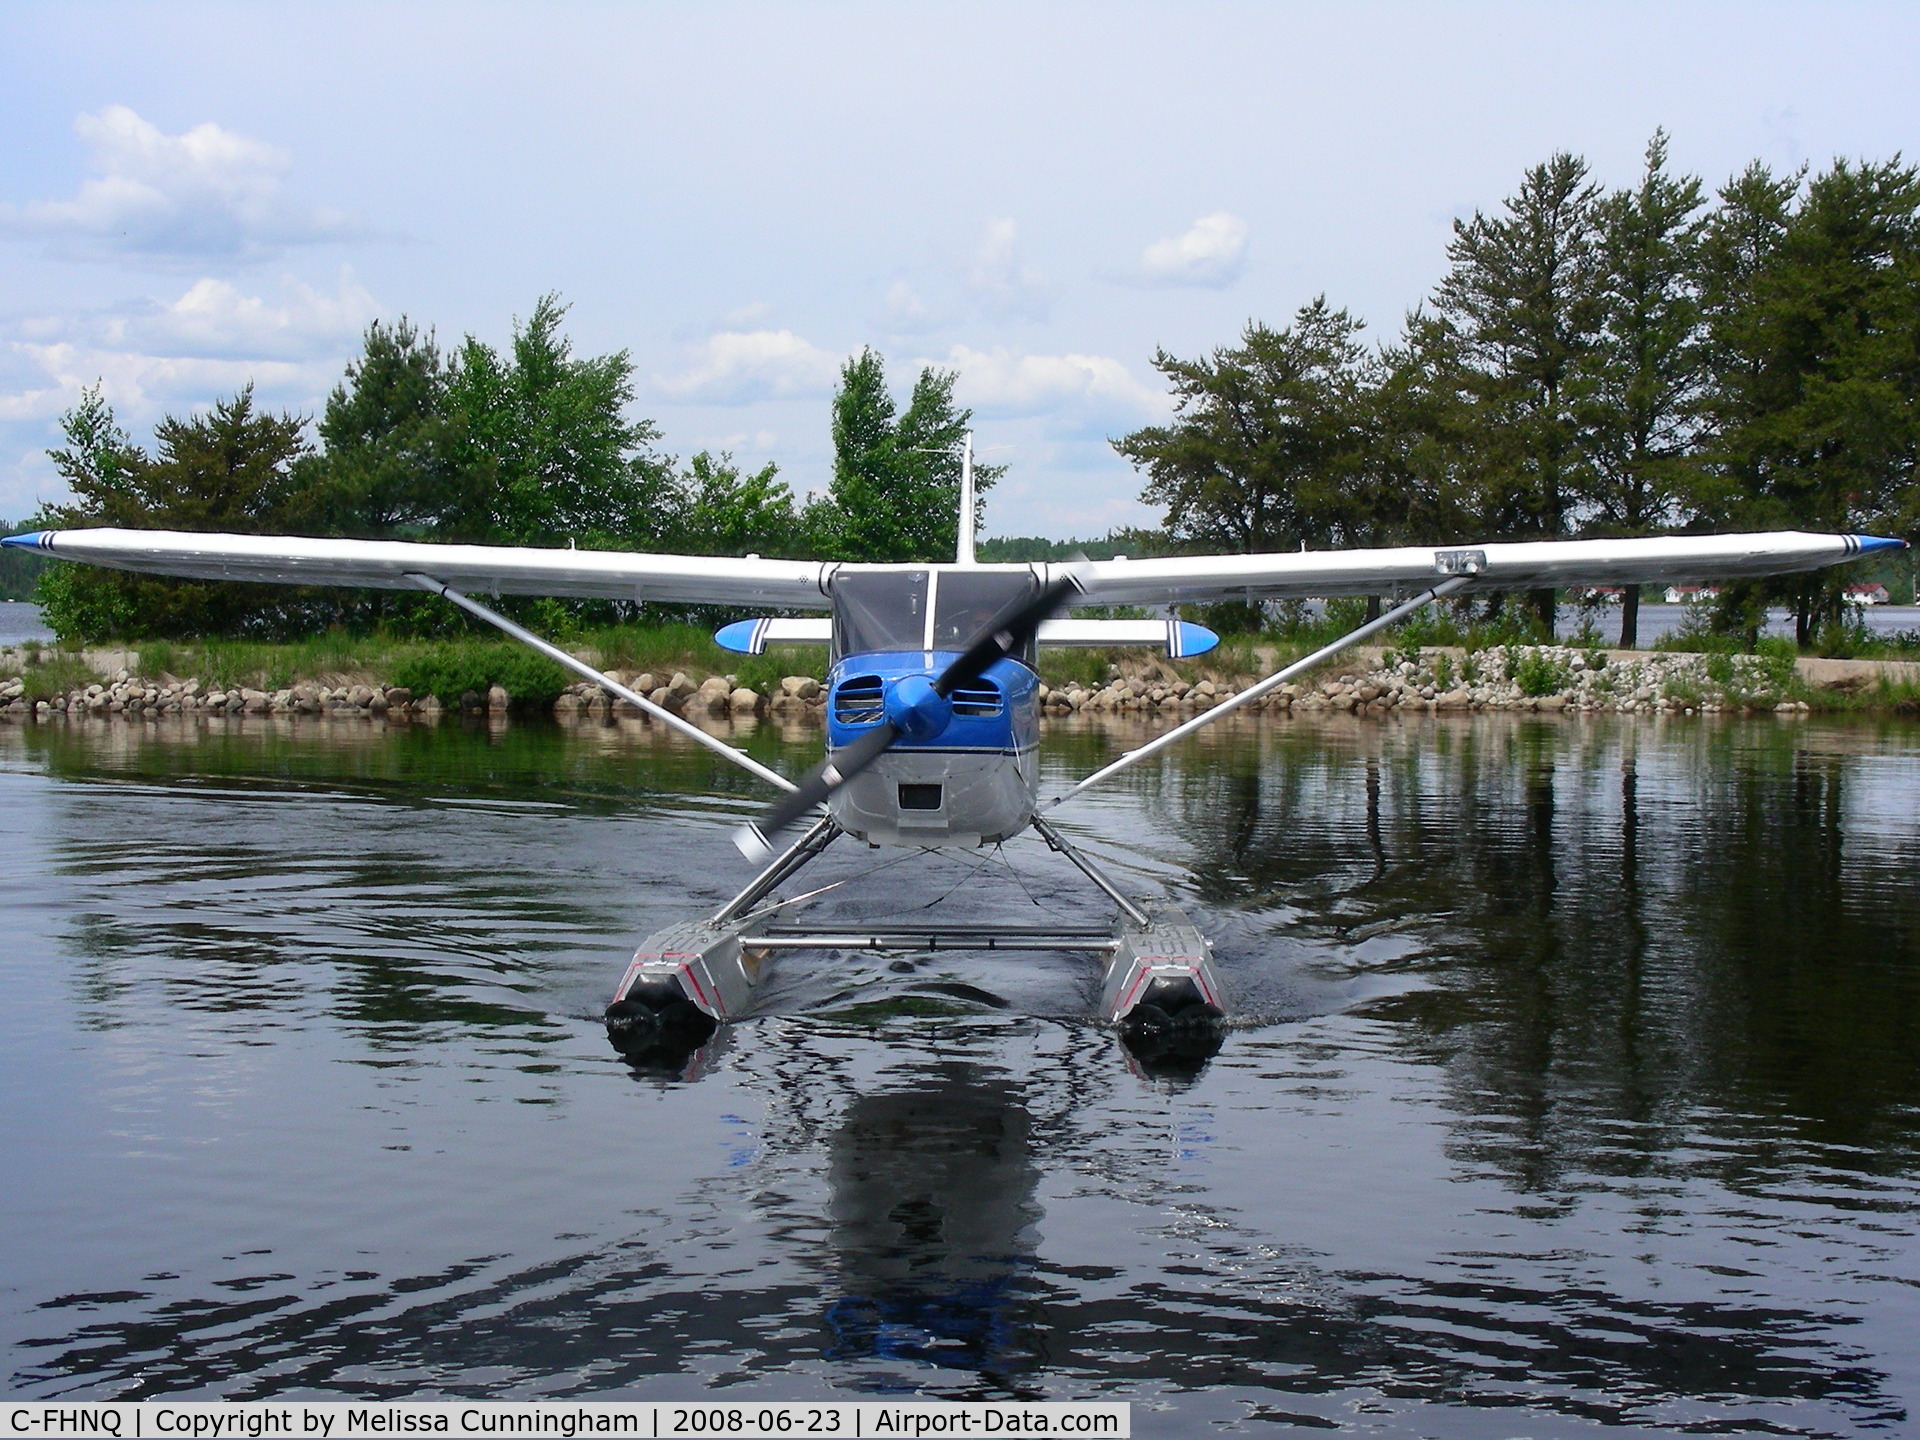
<point>104,684</point>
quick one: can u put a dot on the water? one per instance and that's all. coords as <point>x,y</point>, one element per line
<point>1658,620</point>
<point>20,622</point>
<point>1577,1086</point>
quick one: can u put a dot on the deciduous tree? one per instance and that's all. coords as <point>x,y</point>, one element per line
<point>896,475</point>
<point>1268,444</point>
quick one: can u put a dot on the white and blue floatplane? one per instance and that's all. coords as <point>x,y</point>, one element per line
<point>932,709</point>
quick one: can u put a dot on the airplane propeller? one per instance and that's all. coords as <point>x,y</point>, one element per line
<point>915,707</point>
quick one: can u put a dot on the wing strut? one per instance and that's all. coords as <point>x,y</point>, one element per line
<point>581,668</point>
<point>1254,692</point>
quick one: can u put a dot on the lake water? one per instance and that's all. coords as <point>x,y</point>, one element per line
<point>20,622</point>
<point>1577,1083</point>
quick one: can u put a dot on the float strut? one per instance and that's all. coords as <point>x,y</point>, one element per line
<point>1058,842</point>
<point>824,832</point>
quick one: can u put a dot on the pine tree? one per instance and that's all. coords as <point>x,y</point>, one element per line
<point>1523,302</point>
<point>1815,323</point>
<point>387,467</point>
<point>1639,386</point>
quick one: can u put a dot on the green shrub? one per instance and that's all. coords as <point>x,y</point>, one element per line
<point>1846,638</point>
<point>762,673</point>
<point>1588,636</point>
<point>1064,667</point>
<point>658,648</point>
<point>1537,674</point>
<point>56,675</point>
<point>77,608</point>
<point>1777,650</point>
<point>452,670</point>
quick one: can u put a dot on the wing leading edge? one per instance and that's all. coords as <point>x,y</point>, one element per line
<point>492,569</point>
<point>801,584</point>
<point>1521,566</point>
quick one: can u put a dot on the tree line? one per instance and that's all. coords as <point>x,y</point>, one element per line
<point>1592,363</point>
<point>530,446</point>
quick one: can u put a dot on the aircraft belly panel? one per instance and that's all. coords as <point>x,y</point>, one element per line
<point>983,796</point>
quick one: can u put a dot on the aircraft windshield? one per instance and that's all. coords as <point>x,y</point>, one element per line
<point>879,610</point>
<point>887,609</point>
<point>964,602</point>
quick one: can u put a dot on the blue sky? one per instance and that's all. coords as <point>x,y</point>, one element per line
<point>740,195</point>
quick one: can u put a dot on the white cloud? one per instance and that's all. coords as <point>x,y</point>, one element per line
<point>211,340</point>
<point>175,356</point>
<point>1001,281</point>
<point>206,194</point>
<point>1212,252</point>
<point>1088,388</point>
<point>907,313</point>
<point>139,385</point>
<point>215,318</point>
<point>737,367</point>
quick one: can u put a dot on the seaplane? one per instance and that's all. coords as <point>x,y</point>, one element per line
<point>932,714</point>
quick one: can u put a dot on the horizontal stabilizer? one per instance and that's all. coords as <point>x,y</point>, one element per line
<point>1179,637</point>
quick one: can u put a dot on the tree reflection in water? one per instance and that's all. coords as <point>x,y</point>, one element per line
<point>1623,931</point>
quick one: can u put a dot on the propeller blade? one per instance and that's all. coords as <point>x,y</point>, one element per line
<point>1005,634</point>
<point>753,839</point>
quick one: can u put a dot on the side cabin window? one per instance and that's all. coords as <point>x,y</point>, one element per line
<point>879,610</point>
<point>887,609</point>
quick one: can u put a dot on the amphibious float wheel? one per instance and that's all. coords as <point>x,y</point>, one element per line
<point>633,1026</point>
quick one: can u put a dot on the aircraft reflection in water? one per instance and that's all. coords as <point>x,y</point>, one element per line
<point>934,1224</point>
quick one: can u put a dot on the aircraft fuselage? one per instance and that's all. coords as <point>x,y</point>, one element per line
<point>971,774</point>
<point>964,770</point>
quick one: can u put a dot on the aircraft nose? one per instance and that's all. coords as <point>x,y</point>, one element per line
<point>916,709</point>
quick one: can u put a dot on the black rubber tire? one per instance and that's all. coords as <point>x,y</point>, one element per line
<point>1147,1020</point>
<point>682,1022</point>
<point>632,1026</point>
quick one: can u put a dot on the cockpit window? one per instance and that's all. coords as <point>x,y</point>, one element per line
<point>964,602</point>
<point>879,610</point>
<point>887,609</point>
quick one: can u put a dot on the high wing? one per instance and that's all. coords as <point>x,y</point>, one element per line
<point>802,584</point>
<point>1524,566</point>
<point>492,569</point>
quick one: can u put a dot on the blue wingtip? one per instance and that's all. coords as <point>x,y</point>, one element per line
<point>1195,639</point>
<point>36,540</point>
<point>741,637</point>
<point>1870,543</point>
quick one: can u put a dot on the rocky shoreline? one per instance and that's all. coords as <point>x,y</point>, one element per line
<point>1525,677</point>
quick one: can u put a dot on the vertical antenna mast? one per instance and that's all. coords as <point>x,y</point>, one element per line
<point>965,555</point>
